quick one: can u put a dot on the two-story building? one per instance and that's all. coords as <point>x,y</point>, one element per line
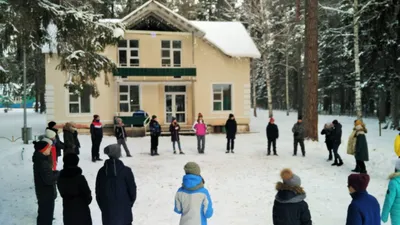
<point>167,66</point>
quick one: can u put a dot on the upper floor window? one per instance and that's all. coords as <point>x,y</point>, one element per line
<point>128,53</point>
<point>171,52</point>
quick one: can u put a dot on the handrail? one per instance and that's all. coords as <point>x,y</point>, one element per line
<point>145,123</point>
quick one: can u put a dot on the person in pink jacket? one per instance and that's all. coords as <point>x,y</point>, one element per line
<point>201,129</point>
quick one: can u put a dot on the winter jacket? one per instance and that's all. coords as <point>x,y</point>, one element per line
<point>44,177</point>
<point>200,128</point>
<point>392,200</point>
<point>361,148</point>
<point>96,131</point>
<point>337,133</point>
<point>174,132</point>
<point>272,131</point>
<point>298,131</point>
<point>397,145</point>
<point>77,143</point>
<point>58,143</point>
<point>76,196</point>
<point>120,132</point>
<point>329,136</point>
<point>115,192</point>
<point>230,129</point>
<point>289,206</point>
<point>364,209</point>
<point>155,128</point>
<point>69,141</point>
<point>191,199</point>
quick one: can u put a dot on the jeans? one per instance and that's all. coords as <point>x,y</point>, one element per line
<point>179,145</point>
<point>301,142</point>
<point>335,150</point>
<point>123,143</point>
<point>273,142</point>
<point>230,145</point>
<point>201,141</point>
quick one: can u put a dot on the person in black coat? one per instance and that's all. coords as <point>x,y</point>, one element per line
<point>155,132</point>
<point>231,129</point>
<point>115,189</point>
<point>96,133</point>
<point>45,182</point>
<point>337,140</point>
<point>58,143</point>
<point>75,193</point>
<point>328,132</point>
<point>272,134</point>
<point>69,140</point>
<point>289,205</point>
<point>76,139</point>
<point>174,129</point>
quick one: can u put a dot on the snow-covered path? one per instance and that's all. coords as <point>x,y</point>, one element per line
<point>242,185</point>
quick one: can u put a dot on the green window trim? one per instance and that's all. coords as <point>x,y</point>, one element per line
<point>155,72</point>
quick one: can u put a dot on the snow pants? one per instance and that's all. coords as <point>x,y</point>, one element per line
<point>45,212</point>
<point>96,148</point>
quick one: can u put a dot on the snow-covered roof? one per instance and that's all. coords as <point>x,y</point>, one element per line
<point>231,38</point>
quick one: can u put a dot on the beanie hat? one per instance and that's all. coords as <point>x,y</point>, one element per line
<point>113,151</point>
<point>231,115</point>
<point>40,146</point>
<point>358,181</point>
<point>51,124</point>
<point>299,118</point>
<point>271,120</point>
<point>70,160</point>
<point>153,117</point>
<point>192,168</point>
<point>335,122</point>
<point>50,134</point>
<point>397,165</point>
<point>289,178</point>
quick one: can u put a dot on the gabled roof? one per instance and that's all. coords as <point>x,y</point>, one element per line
<point>154,7</point>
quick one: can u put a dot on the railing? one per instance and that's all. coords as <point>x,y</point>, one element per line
<point>146,122</point>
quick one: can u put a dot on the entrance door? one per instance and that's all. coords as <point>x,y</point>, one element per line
<point>175,106</point>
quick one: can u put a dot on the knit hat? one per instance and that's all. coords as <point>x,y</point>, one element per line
<point>358,181</point>
<point>40,146</point>
<point>300,118</point>
<point>153,117</point>
<point>289,178</point>
<point>70,160</point>
<point>192,168</point>
<point>113,151</point>
<point>335,122</point>
<point>231,115</point>
<point>271,120</point>
<point>51,124</point>
<point>50,134</point>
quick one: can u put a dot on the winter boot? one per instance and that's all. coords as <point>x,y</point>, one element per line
<point>182,153</point>
<point>275,154</point>
<point>232,151</point>
<point>98,159</point>
<point>335,163</point>
<point>156,152</point>
<point>269,153</point>
<point>174,152</point>
<point>152,152</point>
<point>340,163</point>
<point>227,151</point>
<point>93,159</point>
<point>356,170</point>
<point>330,156</point>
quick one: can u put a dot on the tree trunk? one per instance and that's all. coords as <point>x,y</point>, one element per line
<point>268,80</point>
<point>300,79</point>
<point>311,65</point>
<point>287,72</point>
<point>254,86</point>
<point>395,109</point>
<point>36,93</point>
<point>382,106</point>
<point>357,61</point>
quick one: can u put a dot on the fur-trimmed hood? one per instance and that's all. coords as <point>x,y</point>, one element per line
<point>394,175</point>
<point>289,194</point>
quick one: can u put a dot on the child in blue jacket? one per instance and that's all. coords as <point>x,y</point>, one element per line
<point>392,199</point>
<point>193,198</point>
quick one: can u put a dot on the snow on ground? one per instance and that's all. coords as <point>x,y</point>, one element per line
<point>242,185</point>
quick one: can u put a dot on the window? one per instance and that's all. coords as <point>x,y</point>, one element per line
<point>171,53</point>
<point>128,53</point>
<point>222,97</point>
<point>79,102</point>
<point>129,98</point>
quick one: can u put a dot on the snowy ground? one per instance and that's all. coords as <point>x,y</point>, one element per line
<point>242,186</point>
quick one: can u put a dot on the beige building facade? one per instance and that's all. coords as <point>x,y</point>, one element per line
<point>167,66</point>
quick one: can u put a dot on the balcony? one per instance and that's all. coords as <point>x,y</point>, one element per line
<point>155,72</point>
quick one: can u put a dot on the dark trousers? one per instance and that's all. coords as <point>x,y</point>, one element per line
<point>45,212</point>
<point>335,150</point>
<point>361,166</point>
<point>230,144</point>
<point>96,148</point>
<point>329,146</point>
<point>301,142</point>
<point>273,142</point>
<point>153,143</point>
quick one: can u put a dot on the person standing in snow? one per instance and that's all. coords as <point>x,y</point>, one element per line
<point>69,140</point>
<point>75,192</point>
<point>120,134</point>
<point>230,129</point>
<point>361,147</point>
<point>351,143</point>
<point>76,139</point>
<point>364,209</point>
<point>201,129</point>
<point>174,129</point>
<point>193,198</point>
<point>272,135</point>
<point>328,132</point>
<point>392,199</point>
<point>115,189</point>
<point>155,132</point>
<point>59,145</point>
<point>298,135</point>
<point>289,205</point>
<point>51,135</point>
<point>337,140</point>
<point>45,182</point>
<point>96,133</point>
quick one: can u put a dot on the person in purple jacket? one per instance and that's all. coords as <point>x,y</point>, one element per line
<point>201,130</point>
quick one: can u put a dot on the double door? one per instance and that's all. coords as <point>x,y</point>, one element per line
<point>175,107</point>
